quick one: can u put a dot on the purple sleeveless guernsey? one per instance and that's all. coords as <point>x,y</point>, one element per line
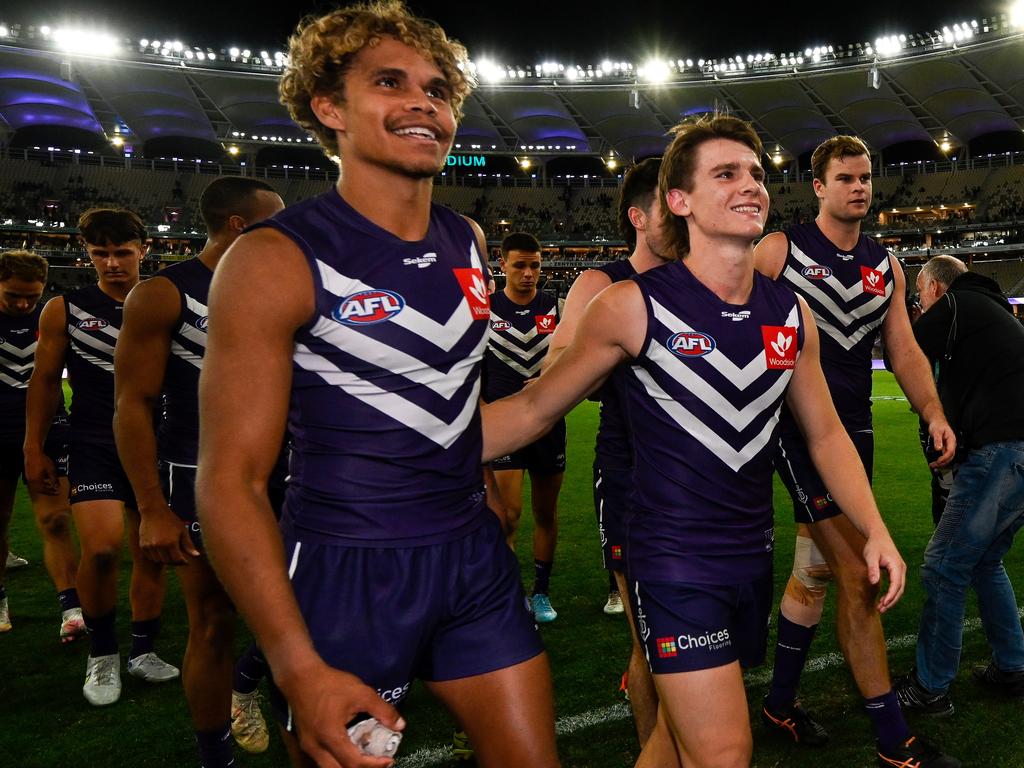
<point>614,446</point>
<point>519,339</point>
<point>384,416</point>
<point>704,399</point>
<point>93,323</point>
<point>848,293</point>
<point>179,426</point>
<point>18,335</point>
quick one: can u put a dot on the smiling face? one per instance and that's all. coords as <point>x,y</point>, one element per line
<point>396,113</point>
<point>845,194</point>
<point>727,198</point>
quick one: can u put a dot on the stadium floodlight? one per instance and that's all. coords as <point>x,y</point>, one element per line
<point>177,46</point>
<point>490,72</point>
<point>85,41</point>
<point>44,31</point>
<point>234,53</point>
<point>654,71</point>
<point>156,45</point>
<point>571,73</point>
<point>246,53</point>
<point>144,43</point>
<point>607,66</point>
<point>117,141</point>
<point>525,163</point>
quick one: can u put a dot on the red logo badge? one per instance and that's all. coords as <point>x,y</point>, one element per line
<point>779,346</point>
<point>616,552</point>
<point>545,323</point>
<point>474,287</point>
<point>873,281</point>
<point>667,648</point>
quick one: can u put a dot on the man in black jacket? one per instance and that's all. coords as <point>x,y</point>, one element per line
<point>969,333</point>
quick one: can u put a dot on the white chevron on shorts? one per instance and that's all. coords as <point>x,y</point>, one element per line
<point>383,356</point>
<point>392,405</point>
<point>443,336</point>
<point>702,432</point>
<point>740,377</point>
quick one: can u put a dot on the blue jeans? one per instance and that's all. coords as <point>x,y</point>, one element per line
<point>984,512</point>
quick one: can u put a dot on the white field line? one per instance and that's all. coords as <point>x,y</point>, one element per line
<point>574,723</point>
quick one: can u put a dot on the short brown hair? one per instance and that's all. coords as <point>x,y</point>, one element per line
<point>24,265</point>
<point>680,160</point>
<point>836,148</point>
<point>323,48</point>
<point>111,226</point>
<point>639,186</point>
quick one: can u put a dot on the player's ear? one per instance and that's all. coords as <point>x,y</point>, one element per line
<point>328,111</point>
<point>637,218</point>
<point>819,188</point>
<point>678,201</point>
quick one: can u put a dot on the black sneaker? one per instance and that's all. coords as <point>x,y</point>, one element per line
<point>915,752</point>
<point>912,696</point>
<point>794,723</point>
<point>1007,683</point>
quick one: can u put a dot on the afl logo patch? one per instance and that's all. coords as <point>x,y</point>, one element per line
<point>691,344</point>
<point>816,272</point>
<point>368,307</point>
<point>501,325</point>
<point>92,324</point>
<point>202,322</point>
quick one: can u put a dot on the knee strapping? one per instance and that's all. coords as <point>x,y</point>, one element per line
<point>811,573</point>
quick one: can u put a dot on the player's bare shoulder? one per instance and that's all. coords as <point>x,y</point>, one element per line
<point>770,254</point>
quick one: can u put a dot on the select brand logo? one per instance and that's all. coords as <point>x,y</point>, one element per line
<point>691,344</point>
<point>779,346</point>
<point>368,307</point>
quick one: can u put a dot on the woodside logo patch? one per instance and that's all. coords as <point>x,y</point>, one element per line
<point>779,346</point>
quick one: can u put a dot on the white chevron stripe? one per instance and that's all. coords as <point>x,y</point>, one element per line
<point>443,336</point>
<point>196,306</point>
<point>514,332</point>
<point>832,281</point>
<point>705,435</point>
<point>518,367</point>
<point>682,373</point>
<point>392,405</point>
<point>18,352</point>
<point>847,342</point>
<point>740,377</point>
<point>377,353</point>
<point>106,365</point>
<point>81,314</point>
<point>81,337</point>
<point>12,382</point>
<point>805,286</point>
<point>17,367</point>
<point>193,334</point>
<point>187,355</point>
<point>518,351</point>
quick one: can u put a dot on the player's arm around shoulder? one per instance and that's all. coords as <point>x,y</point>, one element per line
<point>770,254</point>
<point>44,395</point>
<point>838,463</point>
<point>583,290</point>
<point>611,331</point>
<point>912,370</point>
<point>151,312</point>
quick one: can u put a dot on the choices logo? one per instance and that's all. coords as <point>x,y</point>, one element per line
<point>779,346</point>
<point>691,344</point>
<point>545,323</point>
<point>816,272</point>
<point>710,640</point>
<point>368,307</point>
<point>872,281</point>
<point>616,552</point>
<point>92,324</point>
<point>666,647</point>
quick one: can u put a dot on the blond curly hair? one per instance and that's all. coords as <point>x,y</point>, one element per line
<point>322,49</point>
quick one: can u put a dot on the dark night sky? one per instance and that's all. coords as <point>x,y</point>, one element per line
<point>527,32</point>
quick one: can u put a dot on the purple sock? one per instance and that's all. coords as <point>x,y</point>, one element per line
<point>215,749</point>
<point>794,642</point>
<point>541,576</point>
<point>68,599</point>
<point>102,634</point>
<point>887,719</point>
<point>144,636</point>
<point>250,668</point>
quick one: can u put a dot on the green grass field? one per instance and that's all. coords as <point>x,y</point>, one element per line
<point>44,721</point>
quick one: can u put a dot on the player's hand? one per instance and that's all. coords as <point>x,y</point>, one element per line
<point>163,536</point>
<point>943,439</point>
<point>323,700</point>
<point>41,473</point>
<point>880,554</point>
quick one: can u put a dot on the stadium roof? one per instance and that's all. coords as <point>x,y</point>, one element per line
<point>942,92</point>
